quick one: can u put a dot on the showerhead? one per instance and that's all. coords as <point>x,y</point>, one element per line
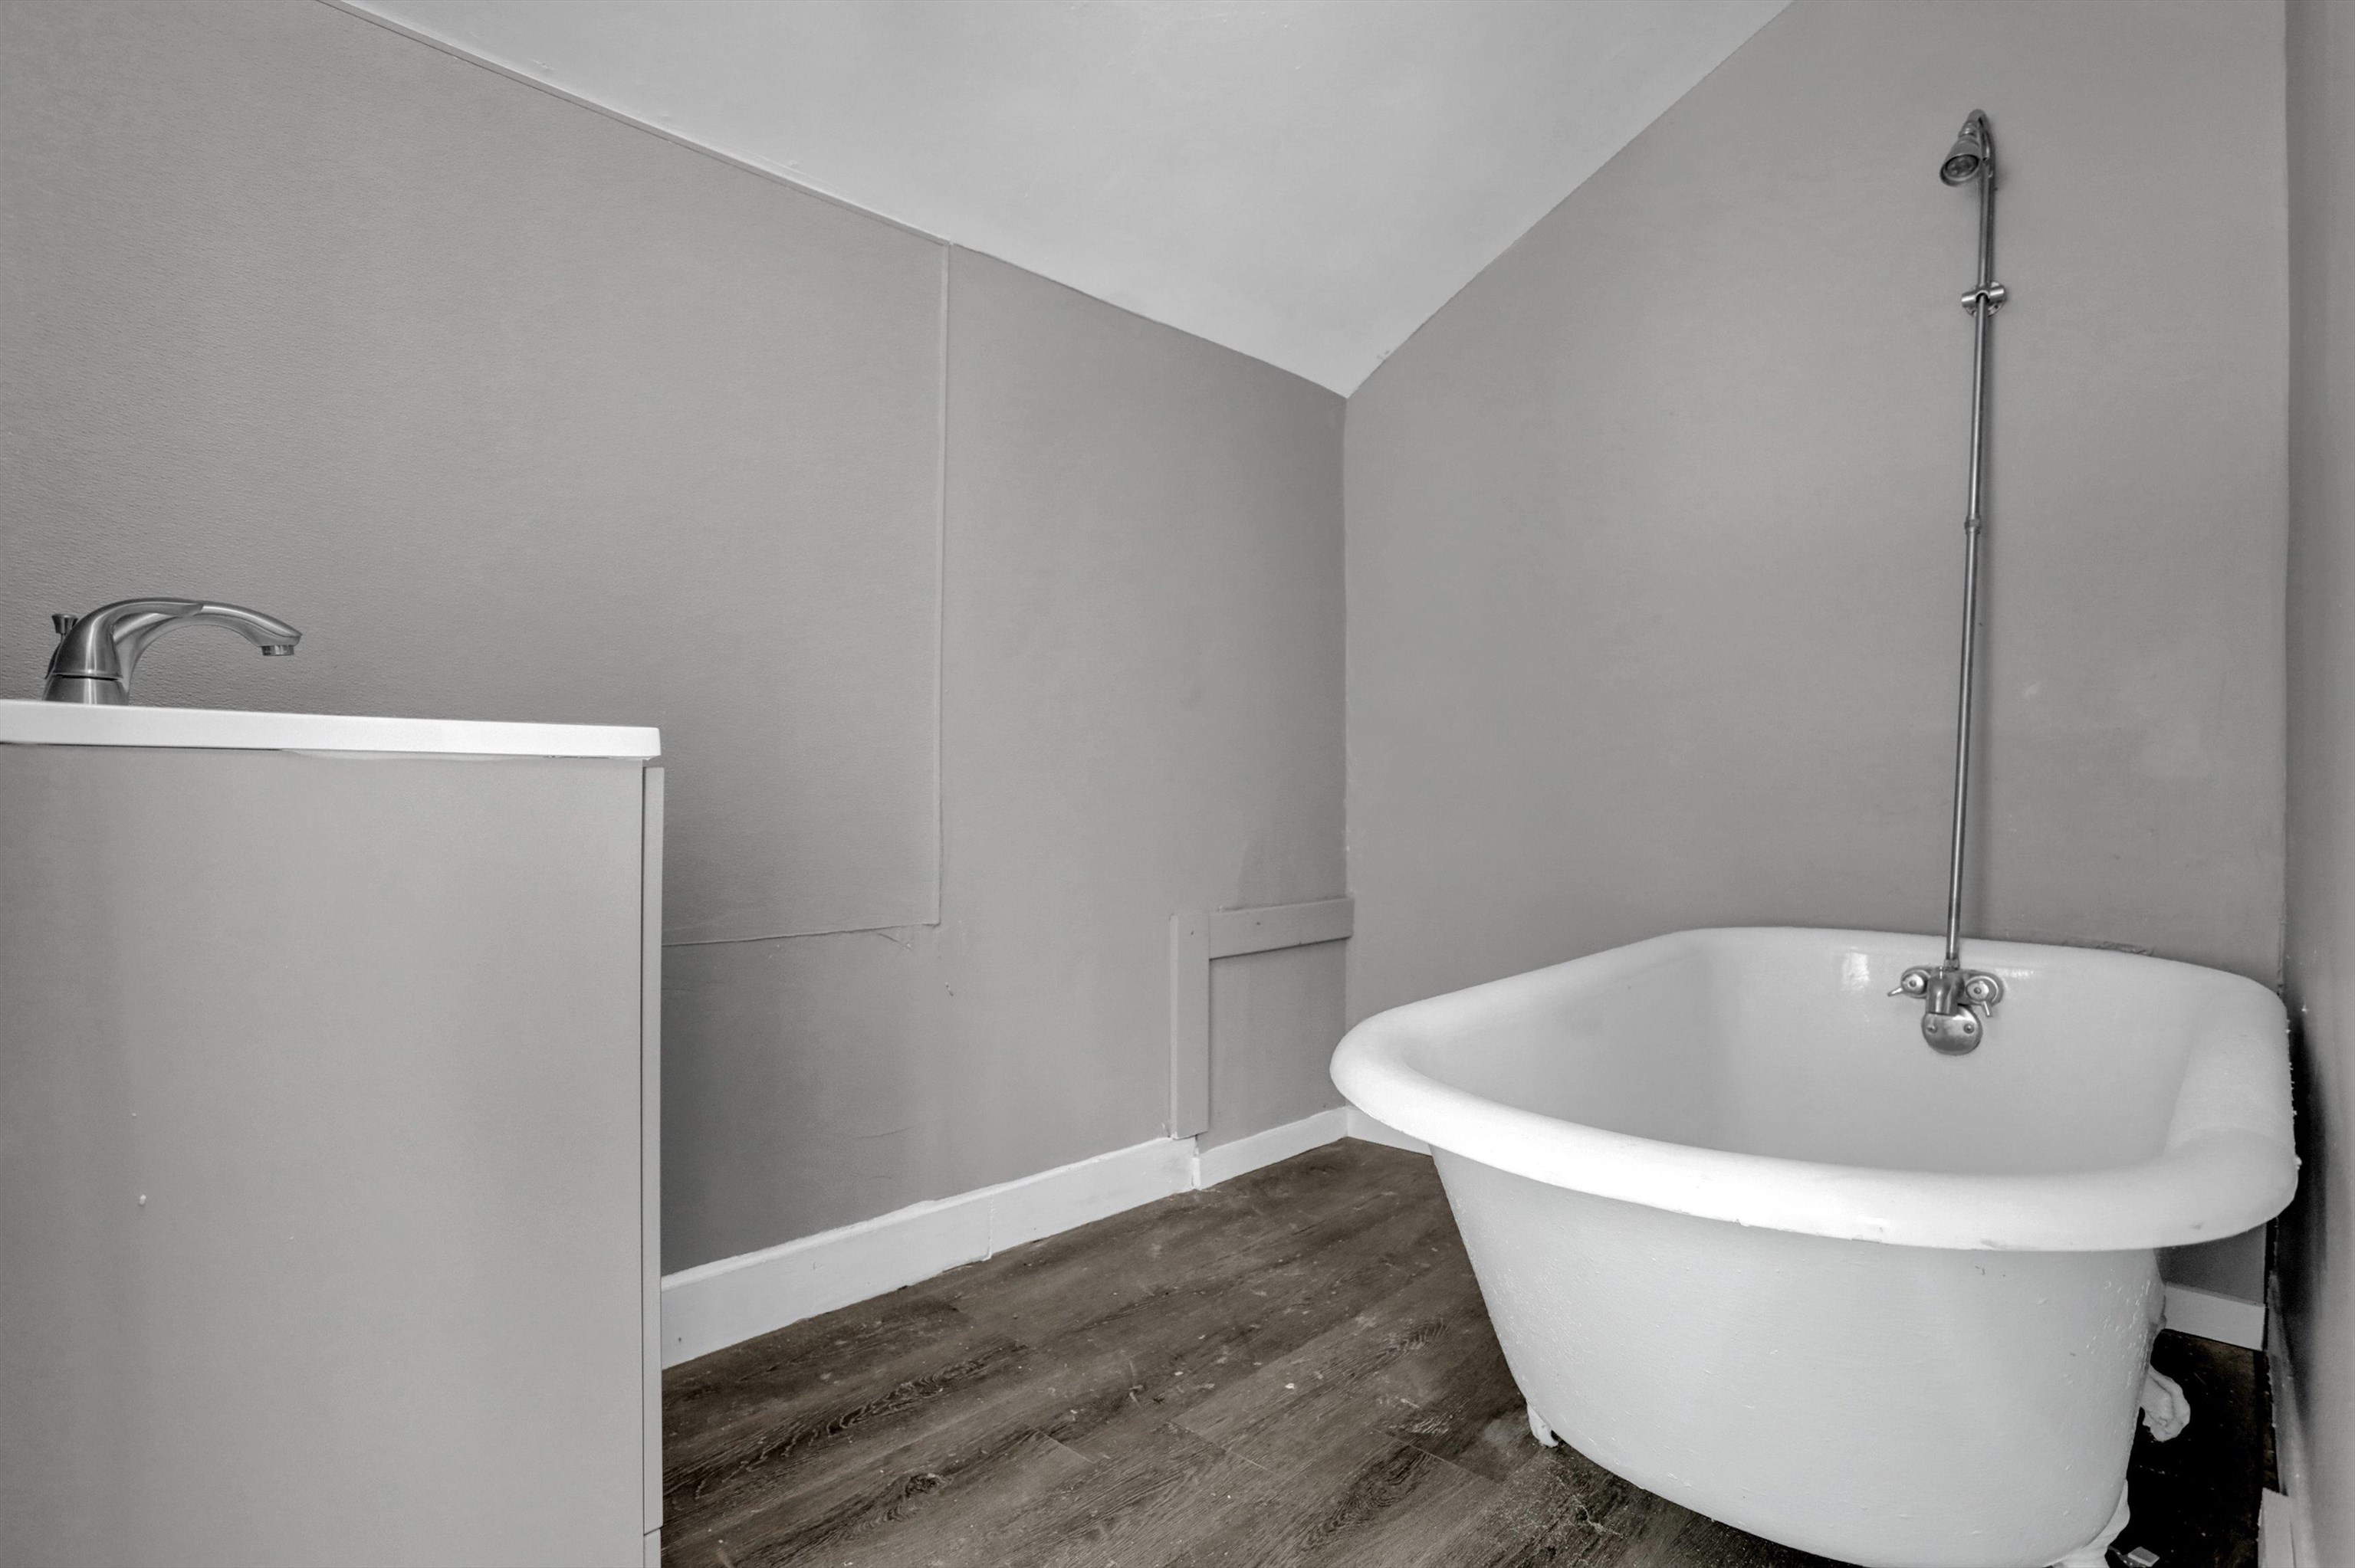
<point>1973,156</point>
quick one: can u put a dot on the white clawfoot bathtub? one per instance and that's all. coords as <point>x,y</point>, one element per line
<point>1752,1245</point>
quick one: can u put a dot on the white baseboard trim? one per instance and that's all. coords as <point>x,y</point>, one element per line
<point>1225,1162</point>
<point>2292,1516</point>
<point>2276,1532</point>
<point>2213,1316</point>
<point>718,1304</point>
<point>722,1303</point>
<point>1367,1128</point>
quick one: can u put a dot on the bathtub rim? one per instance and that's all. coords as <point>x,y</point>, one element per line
<point>2228,1164</point>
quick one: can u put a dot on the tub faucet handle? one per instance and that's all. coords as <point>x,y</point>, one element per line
<point>1956,1003</point>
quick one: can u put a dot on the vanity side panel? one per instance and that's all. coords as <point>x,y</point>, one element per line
<point>650,895</point>
<point>321,1092</point>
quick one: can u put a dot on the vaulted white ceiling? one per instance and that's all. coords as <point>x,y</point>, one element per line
<point>1305,181</point>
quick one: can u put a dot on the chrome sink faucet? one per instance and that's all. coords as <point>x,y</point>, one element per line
<point>96,652</point>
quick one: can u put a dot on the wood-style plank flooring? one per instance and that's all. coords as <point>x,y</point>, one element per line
<point>1292,1368</point>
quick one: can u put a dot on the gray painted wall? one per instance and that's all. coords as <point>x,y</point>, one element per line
<point>1143,713</point>
<point>1654,553</point>
<point>522,413</point>
<point>515,411</point>
<point>2318,1236</point>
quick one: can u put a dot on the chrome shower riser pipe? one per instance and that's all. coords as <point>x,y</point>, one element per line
<point>1981,302</point>
<point>1959,1001</point>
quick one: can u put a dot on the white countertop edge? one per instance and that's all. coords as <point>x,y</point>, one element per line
<point>76,724</point>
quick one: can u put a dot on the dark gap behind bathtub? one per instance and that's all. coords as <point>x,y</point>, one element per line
<point>2195,1499</point>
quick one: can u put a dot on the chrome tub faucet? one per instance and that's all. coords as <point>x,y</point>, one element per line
<point>1957,1004</point>
<point>96,652</point>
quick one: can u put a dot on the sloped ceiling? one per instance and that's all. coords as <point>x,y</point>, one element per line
<point>1305,181</point>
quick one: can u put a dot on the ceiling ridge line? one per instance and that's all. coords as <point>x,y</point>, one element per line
<point>354,9</point>
<point>359,11</point>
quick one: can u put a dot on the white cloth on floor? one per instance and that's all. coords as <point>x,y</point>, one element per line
<point>2164,1409</point>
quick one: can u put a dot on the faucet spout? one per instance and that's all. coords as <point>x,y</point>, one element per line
<point>97,652</point>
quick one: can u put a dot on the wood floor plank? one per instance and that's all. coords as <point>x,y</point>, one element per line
<point>808,1433</point>
<point>813,1374</point>
<point>1459,1404</point>
<point>1140,1509</point>
<point>1263,1415</point>
<point>932,1521</point>
<point>1291,1371</point>
<point>819,1490</point>
<point>1673,1537</point>
<point>1450,1393</point>
<point>760,1463</point>
<point>712,1390</point>
<point>1558,1510</point>
<point>1274,1312</point>
<point>813,1479</point>
<point>1359,1501</point>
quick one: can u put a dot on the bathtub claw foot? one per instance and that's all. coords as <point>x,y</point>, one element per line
<point>2164,1409</point>
<point>2096,1553</point>
<point>1540,1431</point>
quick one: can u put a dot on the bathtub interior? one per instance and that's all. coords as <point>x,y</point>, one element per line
<point>1784,1043</point>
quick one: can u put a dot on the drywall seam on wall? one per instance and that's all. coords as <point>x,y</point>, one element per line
<point>940,551</point>
<point>1141,715</point>
<point>650,127</point>
<point>941,607</point>
<point>940,600</point>
<point>1196,937</point>
<point>940,454</point>
<point>808,936</point>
